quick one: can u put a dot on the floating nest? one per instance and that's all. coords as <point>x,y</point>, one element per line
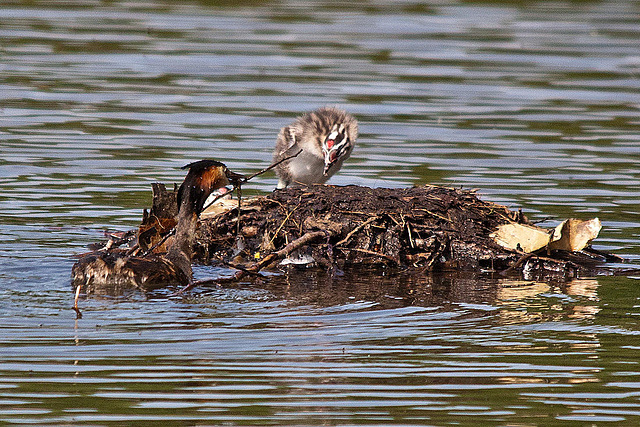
<point>427,229</point>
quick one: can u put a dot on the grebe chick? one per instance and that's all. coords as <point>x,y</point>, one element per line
<point>326,136</point>
<point>115,268</point>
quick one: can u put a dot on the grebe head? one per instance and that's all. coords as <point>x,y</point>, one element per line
<point>203,178</point>
<point>336,144</point>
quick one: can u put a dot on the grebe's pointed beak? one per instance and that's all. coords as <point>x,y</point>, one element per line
<point>327,165</point>
<point>235,178</point>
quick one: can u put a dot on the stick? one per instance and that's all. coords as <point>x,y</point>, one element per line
<point>274,165</point>
<point>301,241</point>
<point>282,225</point>
<point>239,267</point>
<point>356,229</point>
<point>517,264</point>
<point>378,254</point>
<point>239,211</point>
<point>409,231</point>
<point>75,302</point>
<point>433,214</point>
<point>132,250</point>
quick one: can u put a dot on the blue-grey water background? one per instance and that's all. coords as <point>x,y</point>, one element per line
<point>536,104</point>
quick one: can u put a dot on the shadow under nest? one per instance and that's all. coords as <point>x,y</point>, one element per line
<point>426,229</point>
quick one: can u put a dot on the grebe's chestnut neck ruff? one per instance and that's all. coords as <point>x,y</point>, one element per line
<point>116,268</point>
<point>326,136</point>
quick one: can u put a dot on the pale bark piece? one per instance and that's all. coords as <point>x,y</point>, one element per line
<point>522,237</point>
<point>574,234</point>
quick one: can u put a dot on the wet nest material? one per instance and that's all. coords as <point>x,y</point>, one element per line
<point>424,227</point>
<point>427,229</point>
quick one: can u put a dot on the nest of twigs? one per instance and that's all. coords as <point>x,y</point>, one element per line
<point>427,229</point>
<point>422,227</point>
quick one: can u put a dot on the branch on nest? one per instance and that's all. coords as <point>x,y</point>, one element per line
<point>356,229</point>
<point>378,254</point>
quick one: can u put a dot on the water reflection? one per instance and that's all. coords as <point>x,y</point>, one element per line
<point>516,301</point>
<point>528,301</point>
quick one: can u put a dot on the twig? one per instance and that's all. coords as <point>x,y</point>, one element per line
<point>409,231</point>
<point>354,212</point>
<point>393,219</point>
<point>542,220</point>
<point>239,267</point>
<point>132,250</point>
<point>75,302</point>
<point>219,280</point>
<point>282,224</point>
<point>433,214</point>
<point>378,254</point>
<point>274,165</point>
<point>517,264</point>
<point>239,192</point>
<point>356,229</point>
<point>301,241</point>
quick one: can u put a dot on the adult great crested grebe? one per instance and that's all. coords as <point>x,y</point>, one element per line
<point>326,136</point>
<point>116,268</point>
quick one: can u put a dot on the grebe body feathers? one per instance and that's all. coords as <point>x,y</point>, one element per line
<point>326,136</point>
<point>115,268</point>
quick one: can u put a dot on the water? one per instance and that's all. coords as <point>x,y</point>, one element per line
<point>536,104</point>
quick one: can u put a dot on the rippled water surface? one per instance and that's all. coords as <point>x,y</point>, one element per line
<point>536,104</point>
